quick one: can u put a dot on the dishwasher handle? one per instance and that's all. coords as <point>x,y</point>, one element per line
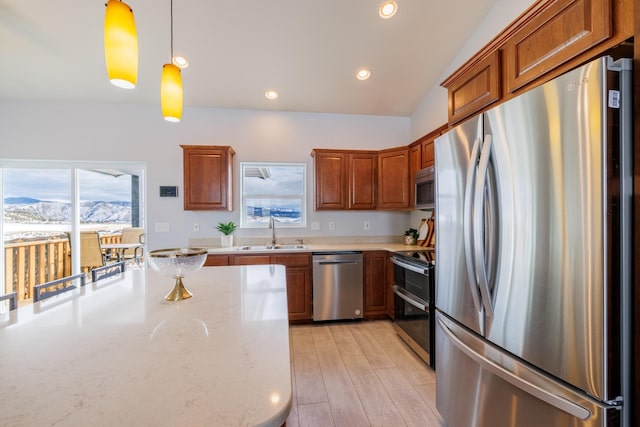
<point>337,261</point>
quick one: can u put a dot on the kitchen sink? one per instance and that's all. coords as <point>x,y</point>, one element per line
<point>271,247</point>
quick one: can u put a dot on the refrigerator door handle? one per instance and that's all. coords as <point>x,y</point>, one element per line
<point>533,389</point>
<point>468,223</point>
<point>478,225</point>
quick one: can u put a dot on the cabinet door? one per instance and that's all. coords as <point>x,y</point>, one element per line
<point>207,177</point>
<point>375,284</point>
<point>428,154</point>
<point>213,260</point>
<point>299,293</point>
<point>477,88</point>
<point>393,179</point>
<point>561,32</point>
<point>363,171</point>
<point>331,180</point>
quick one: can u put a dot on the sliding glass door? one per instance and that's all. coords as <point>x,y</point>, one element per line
<point>47,205</point>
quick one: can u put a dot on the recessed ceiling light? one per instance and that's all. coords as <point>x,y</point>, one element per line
<point>271,94</point>
<point>387,9</point>
<point>363,74</point>
<point>180,61</point>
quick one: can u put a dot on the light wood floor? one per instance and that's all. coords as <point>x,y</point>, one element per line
<point>358,374</point>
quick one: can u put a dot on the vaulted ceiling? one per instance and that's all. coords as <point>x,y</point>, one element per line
<point>309,51</point>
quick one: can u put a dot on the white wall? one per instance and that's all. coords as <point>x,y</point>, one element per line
<point>432,110</point>
<point>52,131</point>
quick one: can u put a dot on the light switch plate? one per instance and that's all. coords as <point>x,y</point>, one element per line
<point>315,225</point>
<point>162,227</point>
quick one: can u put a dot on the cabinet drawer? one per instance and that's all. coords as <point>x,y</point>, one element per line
<point>250,259</point>
<point>293,260</point>
<point>213,260</point>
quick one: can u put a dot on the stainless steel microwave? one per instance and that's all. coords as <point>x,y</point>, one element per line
<point>426,188</point>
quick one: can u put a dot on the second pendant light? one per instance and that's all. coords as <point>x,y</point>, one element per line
<point>171,86</point>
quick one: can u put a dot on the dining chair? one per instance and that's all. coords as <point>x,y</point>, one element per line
<point>13,300</point>
<point>91,255</point>
<point>56,287</point>
<point>108,270</point>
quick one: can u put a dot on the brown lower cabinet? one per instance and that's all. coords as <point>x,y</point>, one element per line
<point>298,278</point>
<point>376,284</point>
<point>377,297</point>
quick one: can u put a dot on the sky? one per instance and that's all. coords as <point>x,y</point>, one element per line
<point>55,185</point>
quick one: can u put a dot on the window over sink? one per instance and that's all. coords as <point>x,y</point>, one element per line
<point>272,190</point>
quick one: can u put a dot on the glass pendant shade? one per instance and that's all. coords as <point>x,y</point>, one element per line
<point>171,93</point>
<point>121,45</point>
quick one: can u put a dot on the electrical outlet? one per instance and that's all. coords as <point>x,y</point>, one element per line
<point>196,226</point>
<point>162,227</point>
<point>366,226</point>
<point>332,225</point>
<point>315,225</point>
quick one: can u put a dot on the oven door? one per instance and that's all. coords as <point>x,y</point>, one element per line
<point>413,323</point>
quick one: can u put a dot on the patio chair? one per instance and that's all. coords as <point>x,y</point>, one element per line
<point>56,287</point>
<point>91,254</point>
<point>133,235</point>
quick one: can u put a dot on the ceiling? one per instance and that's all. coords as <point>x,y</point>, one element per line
<point>309,51</point>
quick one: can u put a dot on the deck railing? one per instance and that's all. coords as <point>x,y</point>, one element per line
<point>30,263</point>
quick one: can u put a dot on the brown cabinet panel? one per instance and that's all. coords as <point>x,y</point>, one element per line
<point>375,284</point>
<point>331,180</point>
<point>207,177</point>
<point>363,170</point>
<point>393,179</point>
<point>213,260</point>
<point>477,88</point>
<point>559,33</point>
<point>299,294</point>
<point>415,164</point>
<point>428,154</point>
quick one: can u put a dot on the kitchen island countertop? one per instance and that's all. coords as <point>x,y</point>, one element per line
<point>115,352</point>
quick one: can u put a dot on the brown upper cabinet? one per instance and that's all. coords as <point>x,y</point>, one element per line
<point>345,179</point>
<point>207,177</point>
<point>560,32</point>
<point>477,88</point>
<point>393,179</point>
<point>548,39</point>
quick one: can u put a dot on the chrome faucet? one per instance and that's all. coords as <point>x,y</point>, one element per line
<point>272,226</point>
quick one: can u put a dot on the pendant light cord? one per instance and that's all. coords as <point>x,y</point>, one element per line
<point>171,30</point>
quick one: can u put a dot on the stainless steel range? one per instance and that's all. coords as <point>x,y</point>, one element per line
<point>414,302</point>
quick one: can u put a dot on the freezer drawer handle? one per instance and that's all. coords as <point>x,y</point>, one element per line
<point>409,298</point>
<point>528,387</point>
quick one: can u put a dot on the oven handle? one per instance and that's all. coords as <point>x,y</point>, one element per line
<point>413,268</point>
<point>410,298</point>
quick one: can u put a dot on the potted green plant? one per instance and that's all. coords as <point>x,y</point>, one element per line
<point>227,229</point>
<point>410,236</point>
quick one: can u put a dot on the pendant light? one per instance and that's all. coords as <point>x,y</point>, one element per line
<point>171,86</point>
<point>120,44</point>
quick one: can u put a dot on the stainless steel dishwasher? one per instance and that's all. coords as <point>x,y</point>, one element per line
<point>337,285</point>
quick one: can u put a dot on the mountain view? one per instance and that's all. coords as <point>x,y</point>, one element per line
<point>28,218</point>
<point>25,210</point>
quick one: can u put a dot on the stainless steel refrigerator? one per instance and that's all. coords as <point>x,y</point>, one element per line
<point>533,278</point>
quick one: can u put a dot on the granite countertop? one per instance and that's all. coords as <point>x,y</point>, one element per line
<point>115,353</point>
